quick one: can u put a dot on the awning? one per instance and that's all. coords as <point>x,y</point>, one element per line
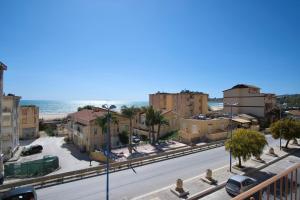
<point>240,120</point>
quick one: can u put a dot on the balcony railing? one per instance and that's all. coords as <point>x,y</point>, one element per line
<point>284,186</point>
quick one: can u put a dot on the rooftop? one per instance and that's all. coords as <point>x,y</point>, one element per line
<point>238,86</point>
<point>181,92</point>
<point>85,116</point>
<point>3,66</point>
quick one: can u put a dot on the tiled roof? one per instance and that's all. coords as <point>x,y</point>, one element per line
<point>85,116</point>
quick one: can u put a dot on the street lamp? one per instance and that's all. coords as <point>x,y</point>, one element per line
<point>231,127</point>
<point>108,108</point>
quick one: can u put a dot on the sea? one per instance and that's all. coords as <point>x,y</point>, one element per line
<point>55,107</point>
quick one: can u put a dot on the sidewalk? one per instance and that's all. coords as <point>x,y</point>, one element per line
<point>199,188</point>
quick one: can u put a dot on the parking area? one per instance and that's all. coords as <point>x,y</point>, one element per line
<point>70,158</point>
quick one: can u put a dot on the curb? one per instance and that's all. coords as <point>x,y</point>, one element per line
<point>222,184</point>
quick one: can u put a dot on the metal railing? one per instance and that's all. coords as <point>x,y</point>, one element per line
<point>117,166</point>
<point>284,186</point>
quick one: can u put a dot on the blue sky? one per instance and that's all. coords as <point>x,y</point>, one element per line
<point>123,50</point>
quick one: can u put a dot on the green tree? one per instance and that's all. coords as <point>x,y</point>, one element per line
<point>103,122</point>
<point>160,120</point>
<point>129,112</point>
<point>288,129</point>
<point>89,107</point>
<point>245,143</point>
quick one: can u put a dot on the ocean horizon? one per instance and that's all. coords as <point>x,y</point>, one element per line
<point>57,107</point>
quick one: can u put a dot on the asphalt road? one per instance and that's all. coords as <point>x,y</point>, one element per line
<point>131,183</point>
<point>261,176</point>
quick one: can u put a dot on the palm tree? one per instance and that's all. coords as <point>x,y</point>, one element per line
<point>150,122</point>
<point>103,122</point>
<point>160,120</point>
<point>129,112</point>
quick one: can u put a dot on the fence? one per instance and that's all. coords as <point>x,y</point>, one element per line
<point>94,171</point>
<point>285,185</point>
<point>32,168</point>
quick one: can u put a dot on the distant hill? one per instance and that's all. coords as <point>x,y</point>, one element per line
<point>292,100</point>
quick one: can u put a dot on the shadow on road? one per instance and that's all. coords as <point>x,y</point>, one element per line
<point>75,152</point>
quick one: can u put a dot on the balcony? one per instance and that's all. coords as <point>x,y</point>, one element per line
<point>285,185</point>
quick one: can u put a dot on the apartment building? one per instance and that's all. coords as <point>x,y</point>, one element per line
<point>248,100</point>
<point>88,135</point>
<point>29,122</point>
<point>3,67</point>
<point>10,125</point>
<point>185,103</point>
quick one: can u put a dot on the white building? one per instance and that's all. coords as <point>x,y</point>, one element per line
<point>248,100</point>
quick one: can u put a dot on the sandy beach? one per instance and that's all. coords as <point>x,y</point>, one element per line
<point>53,116</point>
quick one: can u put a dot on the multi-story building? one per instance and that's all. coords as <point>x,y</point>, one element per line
<point>2,68</point>
<point>10,125</point>
<point>185,103</point>
<point>249,100</point>
<point>29,122</point>
<point>88,135</point>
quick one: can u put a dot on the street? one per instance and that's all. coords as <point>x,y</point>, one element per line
<point>128,183</point>
<point>260,176</point>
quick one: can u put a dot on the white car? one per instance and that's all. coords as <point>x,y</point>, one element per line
<point>238,184</point>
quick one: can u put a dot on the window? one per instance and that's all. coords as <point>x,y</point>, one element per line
<point>95,131</point>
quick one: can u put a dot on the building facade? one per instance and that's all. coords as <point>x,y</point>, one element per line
<point>3,67</point>
<point>194,130</point>
<point>10,125</point>
<point>88,135</point>
<point>185,103</point>
<point>29,122</point>
<point>248,100</point>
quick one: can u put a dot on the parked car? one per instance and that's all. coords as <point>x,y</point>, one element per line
<point>32,150</point>
<point>21,193</point>
<point>136,139</point>
<point>238,184</point>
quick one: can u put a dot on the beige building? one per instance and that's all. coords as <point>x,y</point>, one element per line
<point>194,130</point>
<point>185,103</point>
<point>248,100</point>
<point>140,128</point>
<point>29,122</point>
<point>87,135</point>
<point>10,125</point>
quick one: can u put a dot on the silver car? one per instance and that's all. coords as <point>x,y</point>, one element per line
<point>238,184</point>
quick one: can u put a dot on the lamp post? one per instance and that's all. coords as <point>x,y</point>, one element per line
<point>231,127</point>
<point>108,108</point>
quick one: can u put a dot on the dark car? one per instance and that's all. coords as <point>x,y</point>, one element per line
<point>21,193</point>
<point>32,150</point>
